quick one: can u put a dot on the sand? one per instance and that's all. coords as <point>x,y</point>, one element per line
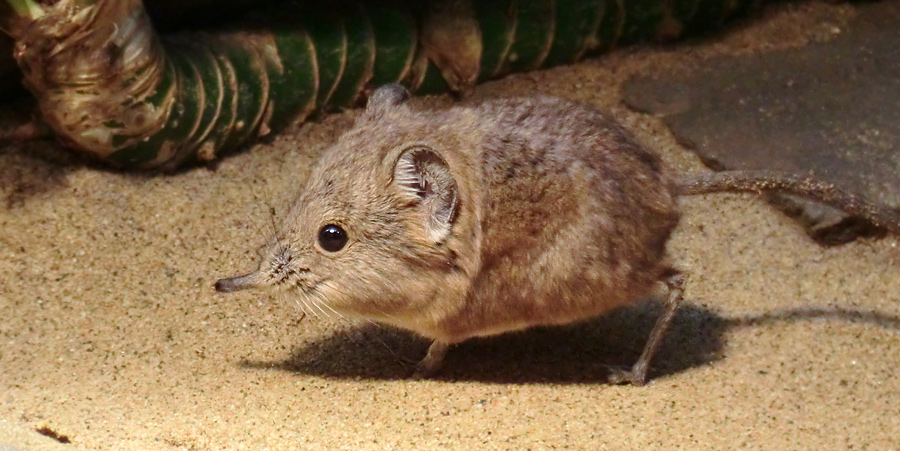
<point>112,338</point>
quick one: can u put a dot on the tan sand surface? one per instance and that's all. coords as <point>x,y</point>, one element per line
<point>112,336</point>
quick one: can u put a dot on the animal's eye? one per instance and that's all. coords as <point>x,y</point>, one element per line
<point>332,238</point>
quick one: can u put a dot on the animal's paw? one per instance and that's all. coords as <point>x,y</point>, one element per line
<point>620,376</point>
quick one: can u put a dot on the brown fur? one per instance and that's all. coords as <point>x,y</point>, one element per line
<point>560,216</point>
<point>489,218</point>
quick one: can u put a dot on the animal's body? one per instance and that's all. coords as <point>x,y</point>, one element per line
<point>479,220</point>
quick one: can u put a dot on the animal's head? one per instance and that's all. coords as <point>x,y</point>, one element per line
<point>368,235</point>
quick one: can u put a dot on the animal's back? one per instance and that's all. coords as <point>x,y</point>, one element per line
<point>575,217</point>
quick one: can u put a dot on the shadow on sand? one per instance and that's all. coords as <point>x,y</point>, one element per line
<point>578,353</point>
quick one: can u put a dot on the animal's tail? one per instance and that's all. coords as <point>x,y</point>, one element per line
<point>784,182</point>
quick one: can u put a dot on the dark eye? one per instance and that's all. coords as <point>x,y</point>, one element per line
<point>332,238</point>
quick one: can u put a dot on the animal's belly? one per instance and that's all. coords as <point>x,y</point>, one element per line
<point>514,311</point>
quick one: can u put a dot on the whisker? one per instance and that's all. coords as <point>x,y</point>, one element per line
<point>252,218</point>
<point>314,303</point>
<point>285,297</point>
<point>267,202</point>
<point>327,284</point>
<point>310,309</point>
<point>273,225</point>
<point>302,299</point>
<point>400,358</point>
<point>321,304</point>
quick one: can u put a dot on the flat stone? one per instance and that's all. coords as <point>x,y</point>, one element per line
<point>830,110</point>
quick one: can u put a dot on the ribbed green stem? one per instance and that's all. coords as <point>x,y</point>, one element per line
<point>111,88</point>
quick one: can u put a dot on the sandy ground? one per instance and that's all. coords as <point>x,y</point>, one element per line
<point>112,336</point>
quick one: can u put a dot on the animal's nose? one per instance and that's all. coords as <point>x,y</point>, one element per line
<point>230,284</point>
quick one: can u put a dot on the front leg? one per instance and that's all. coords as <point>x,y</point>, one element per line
<point>433,360</point>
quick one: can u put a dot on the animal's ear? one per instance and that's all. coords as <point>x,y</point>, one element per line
<point>387,97</point>
<point>423,176</point>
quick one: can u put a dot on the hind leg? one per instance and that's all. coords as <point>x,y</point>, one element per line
<point>637,375</point>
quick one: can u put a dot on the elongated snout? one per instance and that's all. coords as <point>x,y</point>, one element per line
<point>236,283</point>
